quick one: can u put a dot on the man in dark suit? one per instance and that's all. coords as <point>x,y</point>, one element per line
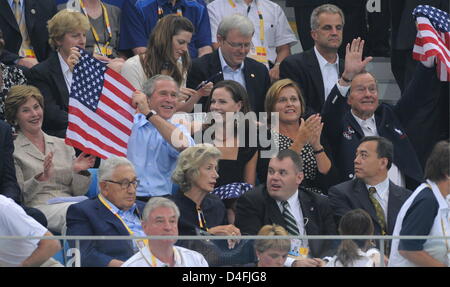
<point>114,212</point>
<point>230,62</point>
<point>8,181</point>
<point>35,13</point>
<point>272,203</point>
<point>48,77</point>
<point>373,159</point>
<point>348,119</point>
<point>318,69</point>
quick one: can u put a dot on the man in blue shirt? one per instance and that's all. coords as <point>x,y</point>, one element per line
<point>155,141</point>
<point>139,17</point>
<point>114,212</point>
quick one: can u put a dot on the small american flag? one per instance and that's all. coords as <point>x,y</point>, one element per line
<point>433,38</point>
<point>100,111</point>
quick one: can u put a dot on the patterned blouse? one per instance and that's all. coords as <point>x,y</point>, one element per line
<point>11,76</point>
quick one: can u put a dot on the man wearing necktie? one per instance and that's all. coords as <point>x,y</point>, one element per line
<point>282,201</point>
<point>24,26</point>
<point>371,189</point>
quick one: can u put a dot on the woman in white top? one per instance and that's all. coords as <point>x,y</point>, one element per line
<point>167,54</point>
<point>355,253</point>
<point>426,212</point>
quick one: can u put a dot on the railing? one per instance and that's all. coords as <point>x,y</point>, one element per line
<point>75,252</point>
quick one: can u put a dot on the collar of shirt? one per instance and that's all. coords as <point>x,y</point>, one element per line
<point>323,62</point>
<point>11,4</point>
<point>166,3</point>
<point>225,67</point>
<point>67,73</point>
<point>148,255</point>
<point>117,210</point>
<point>293,201</point>
<point>382,189</point>
<point>364,123</point>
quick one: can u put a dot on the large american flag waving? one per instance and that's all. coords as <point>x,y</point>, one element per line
<point>100,111</point>
<point>433,38</point>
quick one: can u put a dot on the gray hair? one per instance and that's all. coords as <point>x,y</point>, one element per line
<point>236,21</point>
<point>149,86</point>
<point>189,162</point>
<point>108,166</point>
<point>156,202</point>
<point>326,8</point>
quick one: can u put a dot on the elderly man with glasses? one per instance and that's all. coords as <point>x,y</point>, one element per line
<point>114,212</point>
<point>230,62</point>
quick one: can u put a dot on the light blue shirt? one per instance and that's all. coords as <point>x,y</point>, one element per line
<point>13,8</point>
<point>153,157</point>
<point>230,74</point>
<point>130,218</point>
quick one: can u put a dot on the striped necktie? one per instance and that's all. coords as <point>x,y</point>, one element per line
<point>378,209</point>
<point>26,43</point>
<point>291,224</point>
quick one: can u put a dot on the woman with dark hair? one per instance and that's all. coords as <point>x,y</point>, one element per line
<point>355,252</point>
<point>427,213</point>
<point>297,132</point>
<point>166,54</point>
<point>229,132</point>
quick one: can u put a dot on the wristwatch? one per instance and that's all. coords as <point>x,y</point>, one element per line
<point>150,114</point>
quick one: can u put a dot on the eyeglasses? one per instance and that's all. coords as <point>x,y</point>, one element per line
<point>239,45</point>
<point>125,184</point>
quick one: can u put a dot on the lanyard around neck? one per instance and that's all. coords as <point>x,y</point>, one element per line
<point>102,200</point>
<point>161,12</point>
<point>107,24</point>
<point>260,16</point>
<point>201,219</point>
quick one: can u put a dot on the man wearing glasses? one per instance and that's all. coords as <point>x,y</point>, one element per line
<point>230,62</point>
<point>114,212</point>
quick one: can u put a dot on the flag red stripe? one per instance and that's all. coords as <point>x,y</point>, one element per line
<point>118,77</point>
<point>95,126</point>
<point>80,146</point>
<point>441,50</point>
<point>88,137</point>
<point>113,105</point>
<point>118,93</point>
<point>126,130</point>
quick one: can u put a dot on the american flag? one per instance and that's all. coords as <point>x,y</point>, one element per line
<point>433,38</point>
<point>100,111</point>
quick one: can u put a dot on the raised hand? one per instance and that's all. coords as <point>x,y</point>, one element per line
<point>48,168</point>
<point>73,58</point>
<point>140,102</point>
<point>316,126</point>
<point>83,162</point>
<point>205,91</point>
<point>353,58</point>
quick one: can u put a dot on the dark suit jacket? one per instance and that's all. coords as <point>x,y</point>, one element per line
<point>256,208</point>
<point>257,79</point>
<point>37,13</point>
<point>345,133</point>
<point>49,79</point>
<point>91,217</point>
<point>304,69</point>
<point>8,181</point>
<point>353,194</point>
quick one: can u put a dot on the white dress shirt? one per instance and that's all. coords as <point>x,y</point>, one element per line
<point>67,73</point>
<point>330,72</point>
<point>277,31</point>
<point>382,194</point>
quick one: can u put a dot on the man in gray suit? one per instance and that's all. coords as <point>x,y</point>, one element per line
<point>371,189</point>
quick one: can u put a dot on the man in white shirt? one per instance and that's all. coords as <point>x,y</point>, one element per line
<point>317,70</point>
<point>281,201</point>
<point>371,190</point>
<point>160,218</point>
<point>273,36</point>
<point>26,252</point>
